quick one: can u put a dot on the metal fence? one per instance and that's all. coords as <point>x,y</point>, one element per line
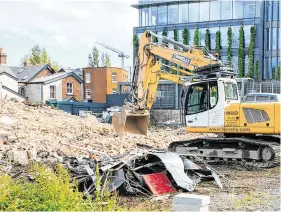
<point>262,87</point>
<point>75,107</point>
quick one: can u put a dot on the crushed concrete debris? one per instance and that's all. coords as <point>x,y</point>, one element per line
<point>43,133</point>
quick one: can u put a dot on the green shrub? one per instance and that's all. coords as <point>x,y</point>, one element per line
<point>50,191</point>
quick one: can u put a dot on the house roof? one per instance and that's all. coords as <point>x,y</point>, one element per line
<point>68,98</point>
<point>55,77</point>
<point>78,72</point>
<point>6,69</point>
<point>27,73</point>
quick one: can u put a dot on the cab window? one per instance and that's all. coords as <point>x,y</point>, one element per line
<point>230,91</point>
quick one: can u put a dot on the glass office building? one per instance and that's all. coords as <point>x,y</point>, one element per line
<point>218,15</point>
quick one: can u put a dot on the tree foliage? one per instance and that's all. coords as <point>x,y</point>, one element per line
<point>185,37</point>
<point>241,56</point>
<point>107,60</point>
<point>218,42</point>
<point>196,40</point>
<point>229,45</point>
<point>273,73</point>
<point>135,47</point>
<point>278,72</point>
<point>94,58</point>
<point>176,38</point>
<point>38,56</point>
<point>257,72</point>
<point>208,40</point>
<point>251,52</point>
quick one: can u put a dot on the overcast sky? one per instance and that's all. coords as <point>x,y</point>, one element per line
<point>67,29</point>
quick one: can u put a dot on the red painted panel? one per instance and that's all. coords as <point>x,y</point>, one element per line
<point>159,183</point>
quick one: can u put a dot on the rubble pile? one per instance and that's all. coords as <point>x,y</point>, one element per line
<point>45,133</point>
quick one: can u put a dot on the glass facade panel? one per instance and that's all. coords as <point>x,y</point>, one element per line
<point>191,33</point>
<point>268,39</point>
<point>235,30</point>
<point>144,16</point>
<point>246,64</point>
<point>266,74</point>
<point>279,38</point>
<point>202,36</point>
<point>237,9</point>
<point>194,12</point>
<point>226,10</point>
<point>268,8</point>
<point>275,11</point>
<point>224,58</point>
<point>274,38</point>
<point>153,16</point>
<point>213,37</point>
<point>204,11</point>
<point>215,10</point>
<point>279,12</point>
<point>162,15</point>
<point>235,63</point>
<point>173,14</point>
<point>258,9</point>
<point>249,9</point>
<point>247,34</point>
<point>183,13</point>
<point>224,37</point>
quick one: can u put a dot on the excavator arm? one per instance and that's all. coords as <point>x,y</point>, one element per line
<point>186,60</point>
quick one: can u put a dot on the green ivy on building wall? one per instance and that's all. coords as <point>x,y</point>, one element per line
<point>251,52</point>
<point>135,47</point>
<point>185,36</point>
<point>176,37</point>
<point>208,40</point>
<point>257,72</point>
<point>278,72</point>
<point>196,37</point>
<point>229,45</point>
<point>273,73</point>
<point>218,42</point>
<point>241,55</point>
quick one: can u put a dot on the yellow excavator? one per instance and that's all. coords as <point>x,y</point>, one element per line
<point>209,101</point>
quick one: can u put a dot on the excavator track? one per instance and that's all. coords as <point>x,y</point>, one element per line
<point>254,152</point>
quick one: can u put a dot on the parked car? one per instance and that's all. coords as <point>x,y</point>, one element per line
<point>261,97</point>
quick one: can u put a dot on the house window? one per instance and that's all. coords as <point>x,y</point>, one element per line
<point>114,91</point>
<point>88,93</point>
<point>114,77</point>
<point>52,91</point>
<point>22,90</point>
<point>88,77</point>
<point>69,87</point>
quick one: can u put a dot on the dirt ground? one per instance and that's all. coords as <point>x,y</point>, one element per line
<point>244,190</point>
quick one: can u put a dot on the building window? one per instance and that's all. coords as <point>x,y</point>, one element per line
<point>279,38</point>
<point>173,14</point>
<point>88,77</point>
<point>274,38</point>
<point>246,64</point>
<point>153,16</point>
<point>204,11</point>
<point>249,9</point>
<point>235,30</point>
<point>88,93</point>
<point>213,37</point>
<point>268,10</point>
<point>191,36</point>
<point>114,91</point>
<point>52,91</point>
<point>224,43</point>
<point>144,16</point>
<point>273,67</point>
<point>69,87</point>
<point>275,10</point>
<point>183,13</point>
<point>215,10</point>
<point>22,91</point>
<point>237,9</point>
<point>247,33</point>
<point>226,10</point>
<point>162,15</point>
<point>114,77</point>
<point>268,39</point>
<point>202,32</point>
<point>194,12</point>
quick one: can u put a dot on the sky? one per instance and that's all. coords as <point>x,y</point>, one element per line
<point>67,29</point>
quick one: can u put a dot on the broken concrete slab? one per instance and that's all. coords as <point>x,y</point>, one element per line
<point>18,157</point>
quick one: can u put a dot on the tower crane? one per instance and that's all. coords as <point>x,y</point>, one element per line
<point>120,53</point>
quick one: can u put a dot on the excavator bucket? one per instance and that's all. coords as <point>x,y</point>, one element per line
<point>130,123</point>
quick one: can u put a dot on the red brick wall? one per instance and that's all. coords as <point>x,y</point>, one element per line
<point>76,86</point>
<point>44,73</point>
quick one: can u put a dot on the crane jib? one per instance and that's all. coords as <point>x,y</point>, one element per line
<point>181,58</point>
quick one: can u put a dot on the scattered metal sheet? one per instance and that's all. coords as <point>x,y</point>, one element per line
<point>159,183</point>
<point>174,165</point>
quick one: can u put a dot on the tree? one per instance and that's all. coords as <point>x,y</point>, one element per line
<point>185,36</point>
<point>107,60</point>
<point>208,40</point>
<point>257,72</point>
<point>39,56</point>
<point>241,56</point>
<point>196,41</point>
<point>135,47</point>
<point>278,72</point>
<point>94,58</point>
<point>176,37</point>
<point>251,51</point>
<point>218,42</point>
<point>229,47</point>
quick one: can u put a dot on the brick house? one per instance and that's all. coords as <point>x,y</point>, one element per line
<point>64,86</point>
<point>98,82</point>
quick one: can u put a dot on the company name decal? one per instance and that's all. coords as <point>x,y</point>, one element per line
<point>181,58</point>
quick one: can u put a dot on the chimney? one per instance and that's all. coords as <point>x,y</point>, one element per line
<point>3,56</point>
<point>25,64</point>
